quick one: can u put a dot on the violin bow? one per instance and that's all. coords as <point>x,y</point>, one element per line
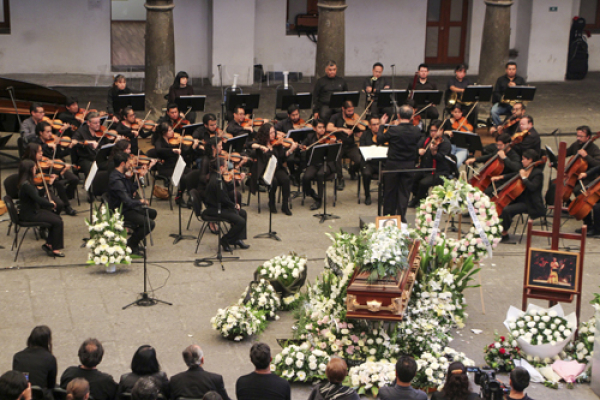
<point>582,187</point>
<point>181,119</point>
<point>361,116</point>
<point>86,110</point>
<point>143,122</point>
<point>44,181</point>
<point>495,190</point>
<point>467,116</point>
<point>323,138</point>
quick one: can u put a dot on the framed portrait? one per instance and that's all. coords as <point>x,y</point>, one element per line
<point>555,270</point>
<point>390,220</point>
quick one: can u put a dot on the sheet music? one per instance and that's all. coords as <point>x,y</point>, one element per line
<point>178,171</point>
<point>373,152</point>
<point>91,176</point>
<point>270,170</point>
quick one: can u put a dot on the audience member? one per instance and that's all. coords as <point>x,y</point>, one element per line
<point>145,388</point>
<point>14,386</point>
<point>37,359</point>
<point>195,382</point>
<point>78,389</point>
<point>102,386</point>
<point>456,385</point>
<point>519,380</point>
<point>262,384</point>
<point>144,363</point>
<point>336,372</point>
<point>406,369</point>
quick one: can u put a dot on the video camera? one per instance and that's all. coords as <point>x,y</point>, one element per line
<point>491,388</point>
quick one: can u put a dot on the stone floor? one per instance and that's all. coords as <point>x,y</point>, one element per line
<point>78,301</point>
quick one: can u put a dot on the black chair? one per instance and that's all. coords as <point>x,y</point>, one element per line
<point>59,393</point>
<point>18,224</point>
<point>21,147</point>
<point>525,221</point>
<point>332,177</point>
<point>205,219</point>
<point>152,153</point>
<point>37,393</point>
<point>11,188</point>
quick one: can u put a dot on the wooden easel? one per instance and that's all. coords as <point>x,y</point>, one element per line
<point>554,296</point>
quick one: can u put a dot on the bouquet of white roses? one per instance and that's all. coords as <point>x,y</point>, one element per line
<point>422,332</point>
<point>371,376</point>
<point>300,363</point>
<point>237,322</point>
<point>540,332</point>
<point>108,238</point>
<point>262,296</point>
<point>287,274</point>
<point>582,349</point>
<point>432,367</point>
<point>386,254</point>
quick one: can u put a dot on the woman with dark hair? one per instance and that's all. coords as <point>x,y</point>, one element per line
<point>182,87</point>
<point>35,208</point>
<point>118,88</point>
<point>144,363</point>
<point>78,389</point>
<point>37,359</point>
<point>456,386</point>
<point>336,372</point>
<point>267,145</point>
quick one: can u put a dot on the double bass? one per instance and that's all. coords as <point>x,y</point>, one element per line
<point>584,203</point>
<point>494,166</point>
<point>576,166</point>
<point>512,189</point>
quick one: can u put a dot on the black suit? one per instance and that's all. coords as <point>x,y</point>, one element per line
<point>531,141</point>
<point>39,363</point>
<point>195,382</point>
<point>424,180</point>
<point>102,386</point>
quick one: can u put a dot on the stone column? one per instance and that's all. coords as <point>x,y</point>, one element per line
<point>160,54</point>
<point>495,41</point>
<point>331,36</point>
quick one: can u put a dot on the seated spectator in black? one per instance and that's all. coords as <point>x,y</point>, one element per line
<point>14,386</point>
<point>102,386</point>
<point>262,384</point>
<point>456,385</point>
<point>336,372</point>
<point>406,369</point>
<point>144,363</point>
<point>78,389</point>
<point>195,382</point>
<point>37,359</point>
<point>519,380</point>
<point>212,396</point>
<point>145,388</point>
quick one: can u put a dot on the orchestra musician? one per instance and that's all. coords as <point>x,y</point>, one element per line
<point>403,141</point>
<point>125,129</point>
<point>204,133</point>
<point>172,117</point>
<point>455,89</point>
<point>35,208</point>
<point>66,182</point>
<point>530,201</point>
<point>121,191</point>
<point>592,220</point>
<point>342,124</point>
<point>509,79</point>
<point>69,116</point>
<point>219,204</point>
<point>293,121</point>
<point>371,167</point>
<point>433,150</point>
<point>512,122</point>
<point>118,88</point>
<point>33,152</point>
<point>457,123</point>
<point>324,88</point>
<point>532,140</point>
<point>374,85</point>
<point>267,145</point>
<point>235,125</point>
<point>85,143</point>
<point>181,87</point>
<point>422,83</point>
<point>316,172</point>
<point>106,163</point>
<point>36,112</point>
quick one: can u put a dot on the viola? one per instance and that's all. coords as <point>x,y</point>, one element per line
<point>584,203</point>
<point>462,125</point>
<point>494,166</point>
<point>355,121</point>
<point>512,189</point>
<point>574,168</point>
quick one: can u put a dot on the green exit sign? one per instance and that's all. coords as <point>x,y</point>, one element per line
<point>553,9</point>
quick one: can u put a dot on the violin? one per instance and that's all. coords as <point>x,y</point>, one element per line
<point>355,121</point>
<point>494,166</point>
<point>283,141</point>
<point>237,157</point>
<point>300,124</point>
<point>462,125</point>
<point>584,203</point>
<point>231,175</point>
<point>144,159</point>
<point>144,124</point>
<point>223,135</point>
<point>40,178</point>
<point>508,124</point>
<point>574,168</point>
<point>437,141</point>
<point>184,140</point>
<point>512,189</point>
<point>254,122</point>
<point>180,122</point>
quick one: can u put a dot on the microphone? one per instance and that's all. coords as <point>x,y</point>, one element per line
<point>219,65</point>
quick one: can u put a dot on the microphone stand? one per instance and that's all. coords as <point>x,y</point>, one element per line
<point>222,96</point>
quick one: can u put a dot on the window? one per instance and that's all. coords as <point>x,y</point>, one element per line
<point>302,17</point>
<point>4,17</point>
<point>590,10</point>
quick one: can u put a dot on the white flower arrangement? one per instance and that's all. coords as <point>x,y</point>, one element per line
<point>237,322</point>
<point>452,197</point>
<point>108,238</point>
<point>582,349</point>
<point>262,298</point>
<point>300,363</point>
<point>386,253</point>
<point>422,332</point>
<point>432,367</point>
<point>541,332</point>
<point>372,375</point>
<point>288,271</point>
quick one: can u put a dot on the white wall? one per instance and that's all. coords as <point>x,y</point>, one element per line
<point>594,52</point>
<point>476,17</point>
<point>549,40</point>
<point>44,39</point>
<point>191,19</point>
<point>233,40</point>
<point>128,10</point>
<point>522,35</point>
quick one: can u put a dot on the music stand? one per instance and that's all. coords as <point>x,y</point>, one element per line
<point>339,98</point>
<point>302,100</point>
<point>136,101</point>
<point>519,93</point>
<point>552,158</point>
<point>322,155</point>
<point>479,93</point>
<point>175,179</point>
<point>195,102</point>
<point>425,97</point>
<point>189,129</point>
<point>247,101</point>
<point>236,144</point>
<point>466,140</point>
<point>268,179</point>
<point>298,135</point>
<point>104,152</point>
<point>392,98</point>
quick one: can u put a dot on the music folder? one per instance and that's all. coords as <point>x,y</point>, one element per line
<point>374,152</point>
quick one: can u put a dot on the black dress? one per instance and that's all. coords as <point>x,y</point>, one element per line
<point>34,208</point>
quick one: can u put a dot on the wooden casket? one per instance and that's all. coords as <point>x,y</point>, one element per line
<point>383,300</point>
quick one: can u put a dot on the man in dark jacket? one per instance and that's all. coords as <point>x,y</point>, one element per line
<point>532,140</point>
<point>324,88</point>
<point>195,382</point>
<point>504,82</point>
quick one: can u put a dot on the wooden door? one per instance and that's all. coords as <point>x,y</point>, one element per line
<point>446,32</point>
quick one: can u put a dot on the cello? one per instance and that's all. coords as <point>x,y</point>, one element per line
<point>576,166</point>
<point>584,203</point>
<point>512,189</point>
<point>494,166</point>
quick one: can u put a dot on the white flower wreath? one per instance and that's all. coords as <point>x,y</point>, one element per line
<point>452,198</point>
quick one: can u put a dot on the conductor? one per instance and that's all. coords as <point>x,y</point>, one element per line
<point>403,142</point>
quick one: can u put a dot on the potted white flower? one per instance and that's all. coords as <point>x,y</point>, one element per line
<point>108,239</point>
